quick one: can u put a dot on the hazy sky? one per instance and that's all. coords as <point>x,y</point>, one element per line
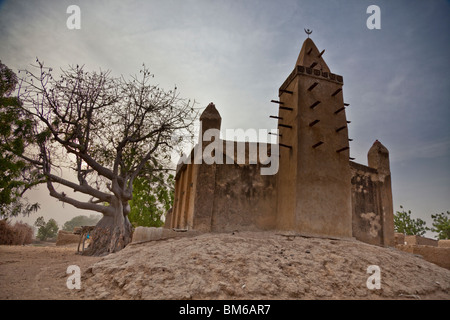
<point>238,53</point>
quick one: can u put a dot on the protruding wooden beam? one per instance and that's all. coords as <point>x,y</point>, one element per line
<point>317,144</point>
<point>336,92</point>
<point>339,110</point>
<point>346,104</point>
<point>350,139</point>
<point>276,117</point>
<point>286,108</point>
<point>351,158</point>
<point>309,51</point>
<point>276,134</point>
<point>287,91</point>
<point>313,65</point>
<point>349,121</point>
<point>284,126</point>
<point>313,86</point>
<point>314,104</point>
<point>275,101</point>
<point>314,122</point>
<point>285,146</point>
<point>323,51</point>
<point>342,149</point>
<point>341,128</point>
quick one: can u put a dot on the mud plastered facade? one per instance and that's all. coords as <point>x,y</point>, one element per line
<point>317,189</point>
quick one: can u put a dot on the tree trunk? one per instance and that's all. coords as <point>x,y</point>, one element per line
<point>111,234</point>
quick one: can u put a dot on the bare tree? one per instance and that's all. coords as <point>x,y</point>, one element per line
<point>108,131</point>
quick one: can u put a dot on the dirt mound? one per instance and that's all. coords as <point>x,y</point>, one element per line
<point>261,265</point>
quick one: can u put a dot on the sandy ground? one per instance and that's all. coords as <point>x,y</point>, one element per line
<point>243,265</point>
<point>38,272</point>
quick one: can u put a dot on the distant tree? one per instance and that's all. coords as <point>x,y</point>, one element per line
<point>441,225</point>
<point>81,220</point>
<point>18,234</point>
<point>403,223</point>
<point>16,175</point>
<point>152,198</point>
<point>46,229</point>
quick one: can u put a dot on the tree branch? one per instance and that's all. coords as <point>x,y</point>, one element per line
<point>106,210</point>
<point>142,163</point>
<point>86,189</point>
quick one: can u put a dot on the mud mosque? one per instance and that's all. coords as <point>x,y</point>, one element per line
<point>318,190</point>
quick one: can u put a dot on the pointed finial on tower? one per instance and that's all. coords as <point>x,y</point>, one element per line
<point>308,32</point>
<point>209,119</point>
<point>310,56</point>
<point>378,157</point>
<point>210,113</point>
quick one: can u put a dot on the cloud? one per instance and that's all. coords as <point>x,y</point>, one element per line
<point>238,53</point>
<point>422,150</point>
